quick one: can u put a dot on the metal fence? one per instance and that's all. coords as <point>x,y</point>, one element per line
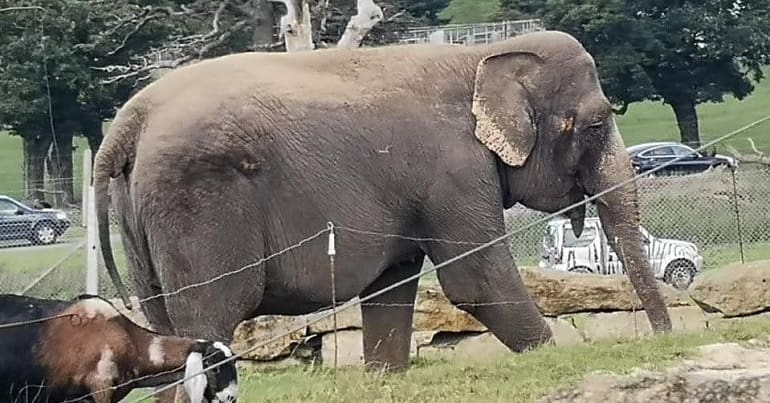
<point>723,212</point>
<point>470,34</point>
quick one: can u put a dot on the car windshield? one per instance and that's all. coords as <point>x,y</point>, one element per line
<point>588,236</point>
<point>7,208</point>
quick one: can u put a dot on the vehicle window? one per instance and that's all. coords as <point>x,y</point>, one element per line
<point>659,152</point>
<point>7,208</point>
<point>679,151</point>
<point>588,236</point>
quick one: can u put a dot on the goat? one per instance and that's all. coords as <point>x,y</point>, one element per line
<point>85,350</point>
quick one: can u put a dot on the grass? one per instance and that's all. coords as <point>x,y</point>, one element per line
<point>12,165</point>
<point>20,266</point>
<point>513,378</point>
<point>654,121</point>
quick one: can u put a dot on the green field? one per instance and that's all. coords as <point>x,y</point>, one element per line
<point>515,378</point>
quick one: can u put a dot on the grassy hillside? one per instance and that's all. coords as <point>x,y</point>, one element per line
<point>643,122</point>
<point>650,121</point>
<point>12,165</point>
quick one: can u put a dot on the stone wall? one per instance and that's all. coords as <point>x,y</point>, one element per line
<point>580,308</point>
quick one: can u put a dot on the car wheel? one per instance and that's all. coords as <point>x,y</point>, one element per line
<point>680,274</point>
<point>44,234</point>
<point>580,269</point>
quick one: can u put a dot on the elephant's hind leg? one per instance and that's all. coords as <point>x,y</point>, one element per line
<point>205,258</point>
<point>387,318</point>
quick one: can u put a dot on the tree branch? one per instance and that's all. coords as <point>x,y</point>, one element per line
<point>186,48</point>
<point>369,14</point>
<point>136,29</point>
<point>295,25</point>
<point>19,8</point>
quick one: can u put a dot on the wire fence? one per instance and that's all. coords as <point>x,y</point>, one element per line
<point>721,211</point>
<point>690,199</point>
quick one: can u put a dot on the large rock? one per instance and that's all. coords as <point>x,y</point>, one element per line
<point>557,293</point>
<point>464,348</point>
<point>722,373</point>
<point>434,312</point>
<point>269,337</point>
<point>630,325</point>
<point>564,333</point>
<point>735,290</point>
<point>349,348</point>
<point>348,319</point>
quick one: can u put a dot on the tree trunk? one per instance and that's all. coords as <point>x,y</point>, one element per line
<point>92,130</point>
<point>368,15</point>
<point>262,25</point>
<point>35,149</point>
<point>296,26</point>
<point>687,119</point>
<point>60,168</point>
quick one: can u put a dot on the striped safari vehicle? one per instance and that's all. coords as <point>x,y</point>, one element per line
<point>674,261</point>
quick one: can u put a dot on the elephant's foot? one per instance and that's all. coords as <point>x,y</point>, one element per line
<point>387,320</point>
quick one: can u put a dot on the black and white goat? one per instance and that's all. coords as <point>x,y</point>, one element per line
<point>92,353</point>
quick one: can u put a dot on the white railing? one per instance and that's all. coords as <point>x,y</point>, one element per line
<point>470,34</point>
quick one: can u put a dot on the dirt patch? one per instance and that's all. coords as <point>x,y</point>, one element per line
<point>719,373</point>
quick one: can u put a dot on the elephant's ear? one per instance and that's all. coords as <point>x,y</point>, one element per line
<point>504,116</point>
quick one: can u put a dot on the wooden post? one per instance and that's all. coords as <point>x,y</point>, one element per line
<point>92,245</point>
<point>86,184</point>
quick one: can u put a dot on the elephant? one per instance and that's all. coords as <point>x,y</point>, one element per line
<point>409,150</point>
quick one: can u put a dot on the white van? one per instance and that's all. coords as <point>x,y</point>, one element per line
<point>675,262</point>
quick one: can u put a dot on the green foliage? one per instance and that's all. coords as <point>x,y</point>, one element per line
<point>685,52</point>
<point>471,11</point>
<point>45,49</point>
<point>520,9</point>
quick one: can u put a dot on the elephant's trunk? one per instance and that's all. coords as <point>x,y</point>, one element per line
<point>620,217</point>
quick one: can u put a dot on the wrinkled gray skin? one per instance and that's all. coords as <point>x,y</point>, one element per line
<point>227,161</point>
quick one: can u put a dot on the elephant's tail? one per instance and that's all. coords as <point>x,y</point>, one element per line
<point>114,157</point>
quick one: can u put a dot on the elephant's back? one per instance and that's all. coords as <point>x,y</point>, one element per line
<point>329,76</point>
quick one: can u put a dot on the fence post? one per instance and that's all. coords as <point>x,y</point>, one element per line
<point>92,245</point>
<point>737,214</point>
<point>86,184</point>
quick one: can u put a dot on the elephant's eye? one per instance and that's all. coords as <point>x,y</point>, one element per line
<point>597,124</point>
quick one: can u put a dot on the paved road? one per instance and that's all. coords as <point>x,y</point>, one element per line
<point>66,243</point>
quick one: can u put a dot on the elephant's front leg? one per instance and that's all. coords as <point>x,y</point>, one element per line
<point>387,318</point>
<point>488,286</point>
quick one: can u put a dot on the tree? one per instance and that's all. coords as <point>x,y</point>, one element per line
<point>50,90</point>
<point>683,52</point>
<point>471,11</point>
<point>225,26</point>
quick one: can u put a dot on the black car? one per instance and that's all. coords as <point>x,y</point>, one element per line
<point>647,156</point>
<point>40,226</point>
